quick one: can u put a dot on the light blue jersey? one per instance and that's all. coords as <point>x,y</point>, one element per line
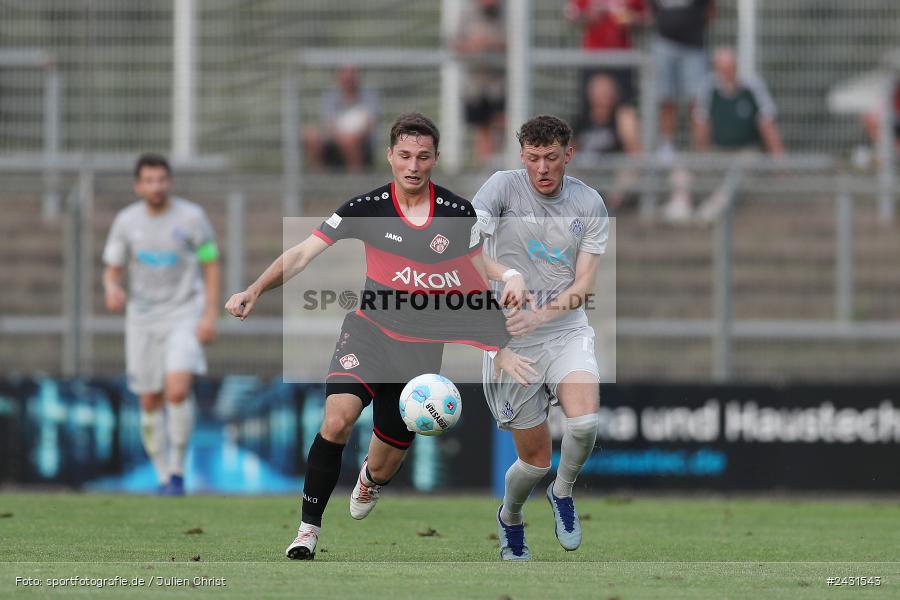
<point>541,237</point>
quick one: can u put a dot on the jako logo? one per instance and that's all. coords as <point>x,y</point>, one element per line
<point>428,280</point>
<point>308,499</point>
<point>393,236</point>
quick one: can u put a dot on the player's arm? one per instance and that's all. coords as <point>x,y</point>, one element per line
<point>573,297</point>
<point>768,130</point>
<point>515,292</point>
<point>212,278</point>
<point>286,266</point>
<point>114,294</point>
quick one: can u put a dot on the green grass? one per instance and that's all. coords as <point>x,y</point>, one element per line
<point>641,548</point>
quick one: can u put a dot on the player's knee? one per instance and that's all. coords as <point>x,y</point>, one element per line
<point>583,427</point>
<point>151,402</point>
<point>177,395</point>
<point>536,457</point>
<point>336,427</point>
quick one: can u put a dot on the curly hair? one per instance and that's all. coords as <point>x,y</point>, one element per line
<point>414,123</point>
<point>544,130</point>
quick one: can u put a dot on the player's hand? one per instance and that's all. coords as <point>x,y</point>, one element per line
<point>206,330</point>
<point>115,298</point>
<point>515,293</point>
<point>241,304</point>
<point>516,366</point>
<point>523,321</point>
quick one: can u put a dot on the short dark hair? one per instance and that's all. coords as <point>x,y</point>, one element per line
<point>151,160</point>
<point>414,123</point>
<point>544,130</point>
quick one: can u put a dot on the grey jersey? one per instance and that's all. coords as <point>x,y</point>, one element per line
<point>160,252</point>
<point>541,237</point>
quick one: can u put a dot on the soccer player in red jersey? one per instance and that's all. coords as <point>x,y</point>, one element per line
<point>419,238</point>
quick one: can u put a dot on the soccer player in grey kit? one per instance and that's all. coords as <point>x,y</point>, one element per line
<point>167,245</point>
<point>546,232</point>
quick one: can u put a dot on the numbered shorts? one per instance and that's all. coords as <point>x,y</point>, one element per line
<point>155,348</point>
<point>515,407</point>
<point>375,368</point>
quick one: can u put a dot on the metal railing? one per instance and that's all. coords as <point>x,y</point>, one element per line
<point>813,175</point>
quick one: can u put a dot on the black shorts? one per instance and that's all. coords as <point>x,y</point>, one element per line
<point>375,368</point>
<point>482,110</point>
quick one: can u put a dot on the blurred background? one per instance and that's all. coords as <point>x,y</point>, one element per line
<point>746,147</point>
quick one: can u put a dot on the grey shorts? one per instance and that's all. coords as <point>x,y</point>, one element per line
<point>155,348</point>
<point>679,70</point>
<point>515,407</point>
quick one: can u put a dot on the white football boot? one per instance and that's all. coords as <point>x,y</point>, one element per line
<point>363,497</point>
<point>304,545</point>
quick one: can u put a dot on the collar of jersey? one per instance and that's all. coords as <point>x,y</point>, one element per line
<point>403,218</point>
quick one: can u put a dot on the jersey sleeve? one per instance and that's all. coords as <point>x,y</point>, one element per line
<point>343,224</point>
<point>596,230</point>
<point>204,239</point>
<point>489,203</point>
<point>115,253</point>
<point>767,109</point>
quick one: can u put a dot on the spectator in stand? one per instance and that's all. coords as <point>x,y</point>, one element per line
<point>344,137</point>
<point>482,32</point>
<point>609,127</point>
<point>679,54</point>
<point>732,114</point>
<point>871,122</point>
<point>607,25</point>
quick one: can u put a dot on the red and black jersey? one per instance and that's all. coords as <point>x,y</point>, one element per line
<point>421,284</point>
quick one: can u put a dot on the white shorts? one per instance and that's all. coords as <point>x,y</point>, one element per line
<point>155,348</point>
<point>515,407</point>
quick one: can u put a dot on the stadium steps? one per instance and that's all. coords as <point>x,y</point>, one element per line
<point>784,268</point>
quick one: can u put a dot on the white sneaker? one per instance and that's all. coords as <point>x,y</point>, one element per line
<point>677,210</point>
<point>712,208</point>
<point>304,545</point>
<point>363,497</point>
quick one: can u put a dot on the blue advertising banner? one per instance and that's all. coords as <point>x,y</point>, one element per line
<point>252,436</point>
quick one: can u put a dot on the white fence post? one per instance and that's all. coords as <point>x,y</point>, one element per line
<point>184,79</point>
<point>452,126</point>
<point>518,74</point>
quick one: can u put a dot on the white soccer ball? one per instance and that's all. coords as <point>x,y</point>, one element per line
<point>430,404</point>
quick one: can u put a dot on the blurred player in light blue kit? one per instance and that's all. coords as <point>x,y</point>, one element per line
<point>546,232</point>
<point>168,248</point>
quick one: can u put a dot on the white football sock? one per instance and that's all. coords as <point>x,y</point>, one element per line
<point>153,434</point>
<point>181,423</point>
<point>307,527</point>
<point>577,445</point>
<point>520,481</point>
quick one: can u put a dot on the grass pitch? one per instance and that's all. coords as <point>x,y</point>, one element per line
<point>444,547</point>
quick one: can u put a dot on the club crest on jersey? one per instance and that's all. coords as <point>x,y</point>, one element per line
<point>349,361</point>
<point>577,227</point>
<point>439,243</point>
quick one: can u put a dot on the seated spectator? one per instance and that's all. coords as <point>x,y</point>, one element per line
<point>609,127</point>
<point>607,25</point>
<point>343,138</point>
<point>734,113</point>
<point>482,31</point>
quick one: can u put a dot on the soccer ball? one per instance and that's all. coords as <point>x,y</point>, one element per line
<point>430,404</point>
